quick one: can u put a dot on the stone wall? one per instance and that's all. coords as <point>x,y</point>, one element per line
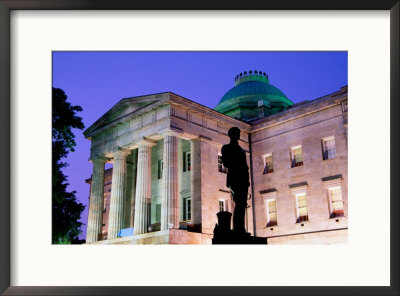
<point>318,238</point>
<point>307,129</point>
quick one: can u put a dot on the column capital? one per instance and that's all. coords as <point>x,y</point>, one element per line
<point>171,133</point>
<point>98,158</point>
<point>146,142</point>
<point>121,152</point>
<point>202,138</point>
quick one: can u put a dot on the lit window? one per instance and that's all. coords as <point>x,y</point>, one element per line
<point>271,213</point>
<point>297,156</point>
<point>222,205</point>
<point>187,209</point>
<point>160,168</point>
<point>270,198</point>
<point>329,149</point>
<point>187,162</point>
<point>301,203</point>
<point>335,197</point>
<point>333,185</point>
<point>221,167</point>
<point>268,165</point>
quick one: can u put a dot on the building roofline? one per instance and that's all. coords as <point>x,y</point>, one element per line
<point>332,96</point>
<point>115,107</point>
<point>230,120</point>
<point>210,110</point>
<point>168,97</point>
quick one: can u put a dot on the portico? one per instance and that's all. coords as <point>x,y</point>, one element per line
<point>158,183</point>
<point>141,218</point>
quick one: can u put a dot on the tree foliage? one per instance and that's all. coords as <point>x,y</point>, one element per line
<point>66,210</point>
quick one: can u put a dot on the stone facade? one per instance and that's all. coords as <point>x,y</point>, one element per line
<point>307,126</point>
<point>168,185</point>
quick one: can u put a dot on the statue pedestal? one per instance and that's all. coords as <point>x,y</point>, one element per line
<point>224,235</point>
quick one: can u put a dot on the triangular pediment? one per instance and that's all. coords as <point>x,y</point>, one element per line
<point>124,109</point>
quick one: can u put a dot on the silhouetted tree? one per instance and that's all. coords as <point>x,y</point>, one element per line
<point>66,210</point>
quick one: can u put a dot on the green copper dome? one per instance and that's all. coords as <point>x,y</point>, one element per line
<point>253,97</point>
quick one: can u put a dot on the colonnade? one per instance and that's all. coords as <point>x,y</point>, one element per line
<point>169,192</point>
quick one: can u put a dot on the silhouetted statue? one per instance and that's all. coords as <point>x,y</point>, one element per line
<point>234,158</point>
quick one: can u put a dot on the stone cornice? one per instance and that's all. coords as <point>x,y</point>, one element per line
<point>291,130</point>
<point>147,103</point>
<point>334,177</point>
<point>207,112</point>
<point>295,186</point>
<point>150,102</point>
<point>298,187</point>
<point>332,180</point>
<point>288,118</point>
<point>269,190</point>
<point>297,112</point>
<point>342,99</point>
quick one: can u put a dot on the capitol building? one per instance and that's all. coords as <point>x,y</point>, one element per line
<point>167,180</point>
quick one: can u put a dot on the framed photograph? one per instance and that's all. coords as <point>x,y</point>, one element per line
<point>323,213</point>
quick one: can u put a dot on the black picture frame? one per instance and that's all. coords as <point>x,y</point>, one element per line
<point>6,6</point>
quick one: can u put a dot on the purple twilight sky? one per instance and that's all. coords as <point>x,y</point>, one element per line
<point>98,80</point>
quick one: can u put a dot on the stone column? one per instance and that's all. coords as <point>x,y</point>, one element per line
<point>143,186</point>
<point>95,219</point>
<point>196,180</point>
<point>180,177</point>
<point>130,189</point>
<point>169,189</point>
<point>116,218</point>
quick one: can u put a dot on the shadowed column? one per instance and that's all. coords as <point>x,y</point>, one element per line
<point>169,191</point>
<point>195,187</point>
<point>116,219</point>
<point>129,207</point>
<point>143,186</point>
<point>95,219</point>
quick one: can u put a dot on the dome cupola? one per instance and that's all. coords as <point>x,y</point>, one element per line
<point>252,97</point>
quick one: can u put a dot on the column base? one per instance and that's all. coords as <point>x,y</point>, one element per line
<point>172,236</point>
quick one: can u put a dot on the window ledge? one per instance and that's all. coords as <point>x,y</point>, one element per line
<point>296,167</point>
<point>329,159</point>
<point>337,218</point>
<point>269,227</point>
